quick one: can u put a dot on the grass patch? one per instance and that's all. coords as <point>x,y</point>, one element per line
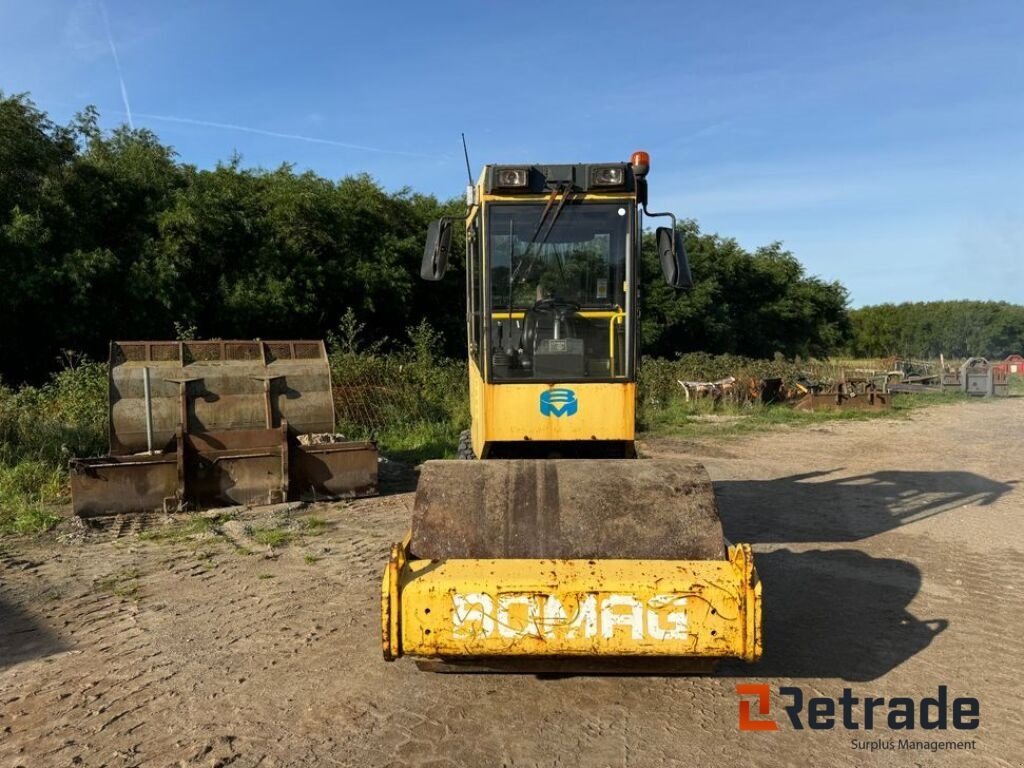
<point>272,537</point>
<point>1016,385</point>
<point>703,419</point>
<point>312,526</point>
<point>121,584</point>
<point>310,559</point>
<point>29,490</point>
<point>193,526</point>
<point>21,516</point>
<point>287,531</point>
<point>418,442</point>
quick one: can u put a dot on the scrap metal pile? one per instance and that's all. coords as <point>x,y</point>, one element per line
<point>976,376</point>
<point>861,388</point>
<point>215,423</point>
<point>854,393</point>
<point>803,394</point>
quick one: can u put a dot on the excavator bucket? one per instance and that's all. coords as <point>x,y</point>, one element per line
<point>569,565</point>
<point>214,423</point>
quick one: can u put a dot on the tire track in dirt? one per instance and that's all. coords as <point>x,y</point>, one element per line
<point>272,658</point>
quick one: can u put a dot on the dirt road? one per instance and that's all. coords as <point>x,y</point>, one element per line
<point>891,557</point>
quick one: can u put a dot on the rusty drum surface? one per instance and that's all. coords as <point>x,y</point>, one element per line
<point>653,509</point>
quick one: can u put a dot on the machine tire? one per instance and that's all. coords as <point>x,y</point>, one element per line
<point>465,450</point>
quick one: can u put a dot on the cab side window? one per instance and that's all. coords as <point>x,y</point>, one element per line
<point>474,291</point>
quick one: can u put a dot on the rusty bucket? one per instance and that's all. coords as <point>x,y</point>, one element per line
<point>211,423</point>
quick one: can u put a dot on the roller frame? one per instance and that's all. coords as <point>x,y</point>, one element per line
<point>433,609</point>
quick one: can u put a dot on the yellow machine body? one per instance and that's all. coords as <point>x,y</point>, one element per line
<point>509,412</point>
<point>566,608</point>
<point>453,605</point>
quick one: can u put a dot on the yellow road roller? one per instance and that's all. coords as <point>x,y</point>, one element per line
<point>549,545</point>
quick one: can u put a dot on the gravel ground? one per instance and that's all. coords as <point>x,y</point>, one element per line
<point>890,552</point>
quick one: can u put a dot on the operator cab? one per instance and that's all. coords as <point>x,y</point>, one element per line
<point>551,258</point>
<point>558,301</point>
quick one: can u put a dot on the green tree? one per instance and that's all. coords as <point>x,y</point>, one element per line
<point>107,235</point>
<point>927,329</point>
<point>754,304</point>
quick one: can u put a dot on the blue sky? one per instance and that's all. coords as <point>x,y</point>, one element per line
<point>882,142</point>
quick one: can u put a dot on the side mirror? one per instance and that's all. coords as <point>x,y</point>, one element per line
<point>435,252</point>
<point>674,264</point>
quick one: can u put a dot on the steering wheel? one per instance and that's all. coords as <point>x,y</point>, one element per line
<point>557,307</point>
<point>553,304</point>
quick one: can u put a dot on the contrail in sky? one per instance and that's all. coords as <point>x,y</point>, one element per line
<point>276,134</point>
<point>117,62</point>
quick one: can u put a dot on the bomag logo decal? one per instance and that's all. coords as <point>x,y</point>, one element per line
<point>512,615</point>
<point>558,402</point>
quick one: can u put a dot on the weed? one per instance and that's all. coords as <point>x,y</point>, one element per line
<point>194,526</point>
<point>272,537</point>
<point>310,559</point>
<point>41,429</point>
<point>264,576</point>
<point>121,584</point>
<point>24,516</point>
<point>312,526</point>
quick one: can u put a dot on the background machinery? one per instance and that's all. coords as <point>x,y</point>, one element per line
<point>555,548</point>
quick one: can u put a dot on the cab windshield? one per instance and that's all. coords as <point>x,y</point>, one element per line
<point>558,290</point>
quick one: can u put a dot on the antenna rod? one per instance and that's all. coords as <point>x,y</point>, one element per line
<point>465,151</point>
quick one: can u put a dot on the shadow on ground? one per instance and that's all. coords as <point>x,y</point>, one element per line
<point>395,476</point>
<point>22,638</point>
<point>837,613</point>
<point>840,612</point>
<point>823,507</point>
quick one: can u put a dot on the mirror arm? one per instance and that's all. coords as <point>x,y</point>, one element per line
<point>457,218</point>
<point>662,215</point>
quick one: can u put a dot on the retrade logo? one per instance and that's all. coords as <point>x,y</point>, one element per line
<point>558,402</point>
<point>747,723</point>
<point>852,713</point>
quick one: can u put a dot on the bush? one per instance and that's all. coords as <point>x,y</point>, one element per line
<point>41,430</point>
<point>413,401</point>
<point>66,417</point>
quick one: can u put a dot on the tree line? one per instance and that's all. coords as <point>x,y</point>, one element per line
<point>108,235</point>
<point>992,329</point>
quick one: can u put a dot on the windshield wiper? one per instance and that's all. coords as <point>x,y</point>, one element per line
<point>529,245</point>
<point>512,274</point>
<point>566,192</point>
<point>551,226</point>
